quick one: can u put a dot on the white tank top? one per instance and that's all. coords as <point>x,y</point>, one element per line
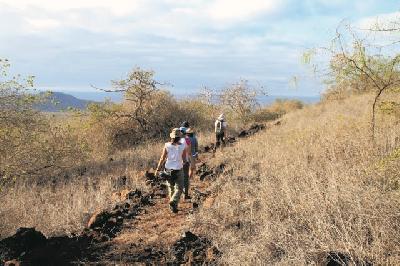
<point>174,156</point>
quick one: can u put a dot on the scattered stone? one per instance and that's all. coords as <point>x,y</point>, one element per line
<point>337,259</point>
<point>208,148</point>
<point>243,134</point>
<point>192,249</point>
<point>251,131</point>
<point>204,171</point>
<point>231,139</point>
<point>30,247</point>
<point>219,169</point>
<point>135,194</point>
<point>98,219</point>
<point>24,241</point>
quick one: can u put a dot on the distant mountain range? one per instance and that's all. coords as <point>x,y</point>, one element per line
<point>59,101</point>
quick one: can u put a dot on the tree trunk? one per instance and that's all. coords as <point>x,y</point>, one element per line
<point>373,120</point>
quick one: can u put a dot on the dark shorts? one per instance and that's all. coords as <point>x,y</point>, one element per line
<point>219,137</point>
<point>173,174</point>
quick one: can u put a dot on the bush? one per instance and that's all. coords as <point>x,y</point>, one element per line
<point>276,110</point>
<point>147,113</point>
<point>311,187</point>
<point>30,144</point>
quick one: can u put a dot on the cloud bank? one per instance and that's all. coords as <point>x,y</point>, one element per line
<point>189,43</point>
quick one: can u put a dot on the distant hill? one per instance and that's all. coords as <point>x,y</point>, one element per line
<point>59,101</point>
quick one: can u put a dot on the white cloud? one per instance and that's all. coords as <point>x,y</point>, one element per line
<point>117,7</point>
<point>381,20</point>
<point>188,41</point>
<point>42,24</point>
<point>177,19</point>
<point>238,10</point>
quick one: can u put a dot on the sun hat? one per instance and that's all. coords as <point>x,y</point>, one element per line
<point>175,133</point>
<point>185,124</point>
<point>221,117</point>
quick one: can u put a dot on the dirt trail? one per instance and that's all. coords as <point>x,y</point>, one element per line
<point>151,234</point>
<point>140,229</point>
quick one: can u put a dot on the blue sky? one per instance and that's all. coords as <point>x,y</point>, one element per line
<point>69,45</point>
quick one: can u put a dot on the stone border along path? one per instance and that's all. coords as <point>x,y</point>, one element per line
<point>140,229</point>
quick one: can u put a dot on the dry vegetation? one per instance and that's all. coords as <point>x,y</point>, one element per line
<point>318,183</point>
<point>313,185</point>
<point>56,170</point>
<point>63,204</point>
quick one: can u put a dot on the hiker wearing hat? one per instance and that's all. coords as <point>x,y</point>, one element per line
<point>186,163</point>
<point>220,129</point>
<point>194,152</point>
<point>173,156</point>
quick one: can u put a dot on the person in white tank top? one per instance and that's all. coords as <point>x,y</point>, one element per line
<point>173,156</point>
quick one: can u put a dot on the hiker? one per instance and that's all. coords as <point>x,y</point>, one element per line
<point>173,155</point>
<point>185,124</point>
<point>194,151</point>
<point>220,129</point>
<point>186,163</point>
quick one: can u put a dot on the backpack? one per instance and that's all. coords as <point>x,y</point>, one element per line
<point>219,128</point>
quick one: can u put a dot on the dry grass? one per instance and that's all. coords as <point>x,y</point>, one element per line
<point>313,185</point>
<point>64,204</point>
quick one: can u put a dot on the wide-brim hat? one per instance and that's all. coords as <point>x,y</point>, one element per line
<point>185,124</point>
<point>175,133</point>
<point>183,130</point>
<point>221,117</point>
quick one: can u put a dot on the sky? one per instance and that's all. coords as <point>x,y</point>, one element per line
<point>71,45</point>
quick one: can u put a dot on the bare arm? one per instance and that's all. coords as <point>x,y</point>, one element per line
<point>162,160</point>
<point>188,152</point>
<point>184,154</point>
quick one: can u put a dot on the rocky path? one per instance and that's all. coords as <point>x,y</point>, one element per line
<point>140,229</point>
<point>149,237</point>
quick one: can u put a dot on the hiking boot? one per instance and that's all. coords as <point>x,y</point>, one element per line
<point>173,207</point>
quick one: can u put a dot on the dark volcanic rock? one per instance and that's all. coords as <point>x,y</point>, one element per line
<point>208,148</point>
<point>157,183</point>
<point>231,139</point>
<point>98,219</point>
<point>337,259</point>
<point>251,131</point>
<point>194,250</point>
<point>204,171</point>
<point>24,240</point>
<point>31,247</point>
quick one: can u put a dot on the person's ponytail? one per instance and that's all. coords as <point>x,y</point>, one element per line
<point>175,140</point>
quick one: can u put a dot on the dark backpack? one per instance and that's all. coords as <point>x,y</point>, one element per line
<point>219,128</point>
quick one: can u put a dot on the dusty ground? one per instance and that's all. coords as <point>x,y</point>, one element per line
<point>154,231</point>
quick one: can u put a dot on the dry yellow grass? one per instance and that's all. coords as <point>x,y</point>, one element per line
<point>312,185</point>
<point>64,204</point>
